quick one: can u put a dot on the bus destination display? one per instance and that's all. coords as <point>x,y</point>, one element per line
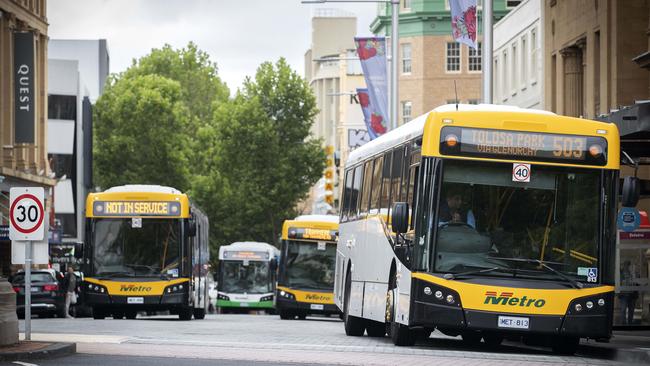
<point>136,208</point>
<point>312,234</point>
<point>245,255</point>
<point>525,145</point>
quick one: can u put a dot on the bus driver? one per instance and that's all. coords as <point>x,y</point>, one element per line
<point>451,210</point>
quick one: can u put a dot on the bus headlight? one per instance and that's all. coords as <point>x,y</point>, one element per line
<point>287,295</point>
<point>266,298</point>
<point>578,307</point>
<point>589,304</point>
<point>450,299</point>
<point>439,295</point>
<point>175,289</point>
<point>601,302</point>
<point>223,297</point>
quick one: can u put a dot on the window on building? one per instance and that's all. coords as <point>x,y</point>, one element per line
<point>406,111</point>
<point>453,57</point>
<point>513,68</point>
<point>406,5</point>
<point>451,101</point>
<point>62,107</point>
<point>497,81</point>
<point>474,61</point>
<point>505,86</point>
<point>512,3</point>
<point>406,58</point>
<point>472,101</point>
<point>524,62</point>
<point>533,55</point>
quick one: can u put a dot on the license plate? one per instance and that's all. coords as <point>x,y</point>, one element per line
<point>513,322</point>
<point>36,289</point>
<point>243,304</point>
<point>135,300</point>
<point>316,306</point>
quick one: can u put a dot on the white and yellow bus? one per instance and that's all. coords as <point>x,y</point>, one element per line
<point>147,250</point>
<point>481,221</point>
<point>306,269</point>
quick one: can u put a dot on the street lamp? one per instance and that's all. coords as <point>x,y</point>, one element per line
<point>394,45</point>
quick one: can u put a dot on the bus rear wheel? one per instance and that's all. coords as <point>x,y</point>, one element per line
<point>353,326</point>
<point>286,314</point>
<point>98,314</point>
<point>185,313</point>
<point>565,345</point>
<point>131,314</point>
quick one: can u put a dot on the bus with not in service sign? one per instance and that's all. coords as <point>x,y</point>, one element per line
<point>306,269</point>
<point>147,250</point>
<point>246,276</point>
<point>482,222</point>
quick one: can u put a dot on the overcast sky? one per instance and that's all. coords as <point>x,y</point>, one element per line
<point>238,34</point>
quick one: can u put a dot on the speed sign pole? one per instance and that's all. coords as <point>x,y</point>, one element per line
<point>26,218</point>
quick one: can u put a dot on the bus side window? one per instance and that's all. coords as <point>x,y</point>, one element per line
<point>376,185</point>
<point>405,175</point>
<point>396,173</point>
<point>365,193</point>
<point>384,205</point>
<point>347,193</point>
<point>356,188</point>
<point>412,186</point>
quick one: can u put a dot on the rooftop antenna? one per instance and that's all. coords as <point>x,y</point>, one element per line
<point>456,92</point>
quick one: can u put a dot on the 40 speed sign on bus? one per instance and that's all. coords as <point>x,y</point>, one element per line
<point>26,213</point>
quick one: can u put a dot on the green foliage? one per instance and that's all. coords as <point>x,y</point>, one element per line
<point>262,156</point>
<point>138,133</point>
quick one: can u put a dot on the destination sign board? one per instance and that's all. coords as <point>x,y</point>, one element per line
<point>312,234</point>
<point>245,255</point>
<point>523,145</point>
<point>136,208</point>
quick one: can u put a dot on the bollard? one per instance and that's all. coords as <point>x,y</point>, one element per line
<point>8,318</point>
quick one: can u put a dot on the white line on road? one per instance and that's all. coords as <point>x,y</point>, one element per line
<point>24,363</point>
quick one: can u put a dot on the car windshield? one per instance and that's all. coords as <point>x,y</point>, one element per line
<point>250,277</point>
<point>36,277</point>
<point>487,220</point>
<point>310,265</point>
<point>123,247</point>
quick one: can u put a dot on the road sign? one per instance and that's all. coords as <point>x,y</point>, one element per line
<point>26,213</point>
<point>520,172</point>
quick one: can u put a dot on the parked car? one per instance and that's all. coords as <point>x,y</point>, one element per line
<point>47,297</point>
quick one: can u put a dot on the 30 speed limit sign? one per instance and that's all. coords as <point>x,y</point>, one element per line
<point>26,213</point>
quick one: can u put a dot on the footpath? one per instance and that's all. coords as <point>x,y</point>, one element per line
<point>31,350</point>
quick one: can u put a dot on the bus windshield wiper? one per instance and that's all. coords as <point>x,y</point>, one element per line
<point>452,276</point>
<point>116,274</point>
<point>548,268</point>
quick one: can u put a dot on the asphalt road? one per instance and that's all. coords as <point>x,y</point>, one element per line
<point>265,339</point>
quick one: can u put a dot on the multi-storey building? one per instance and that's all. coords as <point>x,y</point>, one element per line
<point>23,107</point>
<point>433,67</point>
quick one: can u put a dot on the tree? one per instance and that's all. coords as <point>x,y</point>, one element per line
<point>263,157</point>
<point>139,134</point>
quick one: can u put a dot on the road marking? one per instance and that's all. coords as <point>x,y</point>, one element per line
<point>76,338</point>
<point>24,363</point>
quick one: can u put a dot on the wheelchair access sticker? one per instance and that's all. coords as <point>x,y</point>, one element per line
<point>520,172</point>
<point>590,272</point>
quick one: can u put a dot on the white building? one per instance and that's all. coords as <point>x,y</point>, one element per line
<point>76,77</point>
<point>517,58</point>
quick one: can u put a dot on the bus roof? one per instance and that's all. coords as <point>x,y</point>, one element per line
<point>322,222</point>
<point>252,246</point>
<point>488,116</point>
<point>122,201</point>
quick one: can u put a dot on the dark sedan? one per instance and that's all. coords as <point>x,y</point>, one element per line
<point>48,298</point>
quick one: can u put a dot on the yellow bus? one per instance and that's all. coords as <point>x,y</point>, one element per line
<point>481,221</point>
<point>306,269</point>
<point>146,250</point>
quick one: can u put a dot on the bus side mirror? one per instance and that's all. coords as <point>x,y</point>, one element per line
<point>631,192</point>
<point>400,217</point>
<point>79,250</point>
<point>191,228</point>
<point>273,264</point>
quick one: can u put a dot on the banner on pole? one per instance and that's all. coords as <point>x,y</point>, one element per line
<point>464,21</point>
<point>372,55</point>
<point>371,117</point>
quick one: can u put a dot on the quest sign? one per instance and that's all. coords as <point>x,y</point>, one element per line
<point>24,86</point>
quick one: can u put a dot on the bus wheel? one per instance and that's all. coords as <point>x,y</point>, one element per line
<point>302,316</point>
<point>471,337</point>
<point>286,314</point>
<point>566,345</point>
<point>401,334</point>
<point>353,326</point>
<point>98,314</point>
<point>199,313</point>
<point>118,315</point>
<point>375,329</point>
<point>492,340</point>
<point>131,314</point>
<point>185,313</point>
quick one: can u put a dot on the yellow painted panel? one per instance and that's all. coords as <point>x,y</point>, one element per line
<point>310,296</point>
<point>501,299</point>
<point>136,288</point>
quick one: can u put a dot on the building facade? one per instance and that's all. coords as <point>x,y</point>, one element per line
<point>23,107</point>
<point>517,77</point>
<point>433,67</point>
<point>590,47</point>
<point>78,72</point>
<point>332,36</point>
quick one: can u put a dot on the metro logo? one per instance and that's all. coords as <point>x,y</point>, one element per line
<point>508,299</point>
<point>134,288</point>
<point>318,297</point>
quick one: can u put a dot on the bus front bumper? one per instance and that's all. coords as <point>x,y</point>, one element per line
<point>95,299</point>
<point>311,308</point>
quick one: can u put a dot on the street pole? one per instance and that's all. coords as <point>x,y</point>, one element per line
<point>28,290</point>
<point>394,90</point>
<point>487,51</point>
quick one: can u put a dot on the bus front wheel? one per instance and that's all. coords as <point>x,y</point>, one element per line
<point>199,313</point>
<point>286,314</point>
<point>353,326</point>
<point>400,334</point>
<point>185,313</point>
